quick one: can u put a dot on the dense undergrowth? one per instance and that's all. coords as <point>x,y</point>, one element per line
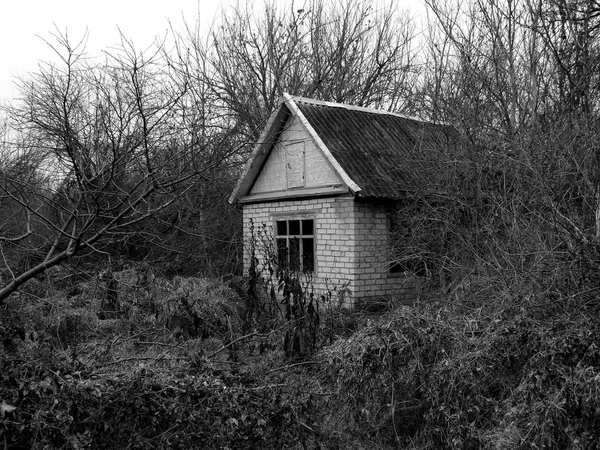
<point>179,365</point>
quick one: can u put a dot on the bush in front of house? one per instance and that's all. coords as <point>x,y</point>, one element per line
<point>425,378</point>
<point>516,373</point>
<point>71,380</point>
<point>152,409</point>
<point>380,374</point>
<point>199,307</point>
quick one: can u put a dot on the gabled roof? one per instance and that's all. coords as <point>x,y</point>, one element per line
<point>373,152</point>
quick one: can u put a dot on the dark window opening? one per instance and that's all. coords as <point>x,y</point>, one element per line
<point>296,244</point>
<point>282,228</point>
<point>405,254</point>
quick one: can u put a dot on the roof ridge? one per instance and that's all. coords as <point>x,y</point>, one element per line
<point>355,108</point>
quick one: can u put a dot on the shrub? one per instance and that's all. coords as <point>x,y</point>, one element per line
<point>380,374</point>
<point>425,378</point>
<point>150,409</point>
<point>75,325</point>
<point>200,307</point>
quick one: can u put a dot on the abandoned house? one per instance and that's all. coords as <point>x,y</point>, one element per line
<point>322,183</point>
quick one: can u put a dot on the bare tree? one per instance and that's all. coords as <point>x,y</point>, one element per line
<point>488,66</point>
<point>344,52</point>
<point>518,78</point>
<point>235,75</point>
<point>105,139</point>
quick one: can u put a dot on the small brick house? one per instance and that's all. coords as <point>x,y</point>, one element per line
<point>324,179</point>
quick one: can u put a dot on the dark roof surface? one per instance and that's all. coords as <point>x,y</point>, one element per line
<point>380,151</point>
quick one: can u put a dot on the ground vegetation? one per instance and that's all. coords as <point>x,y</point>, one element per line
<point>125,321</point>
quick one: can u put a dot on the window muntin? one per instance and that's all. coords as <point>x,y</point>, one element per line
<point>295,241</point>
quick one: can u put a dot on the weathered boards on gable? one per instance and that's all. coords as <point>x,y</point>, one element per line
<point>324,180</point>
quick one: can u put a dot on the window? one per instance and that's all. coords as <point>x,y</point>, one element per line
<point>296,244</point>
<point>406,246</point>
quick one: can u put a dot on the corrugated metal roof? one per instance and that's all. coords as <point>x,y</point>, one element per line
<point>380,151</point>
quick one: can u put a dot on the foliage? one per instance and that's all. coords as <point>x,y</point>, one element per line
<point>521,373</point>
<point>381,374</point>
<point>301,314</point>
<point>196,307</point>
<point>150,409</point>
<point>279,295</point>
<point>440,378</point>
<point>117,383</point>
<point>113,181</point>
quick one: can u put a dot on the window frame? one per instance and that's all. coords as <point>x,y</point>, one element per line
<point>300,236</point>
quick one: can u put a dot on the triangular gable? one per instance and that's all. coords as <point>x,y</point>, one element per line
<point>295,163</point>
<point>290,161</point>
<point>372,153</point>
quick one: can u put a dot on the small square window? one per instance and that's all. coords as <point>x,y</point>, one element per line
<point>296,244</point>
<point>403,256</point>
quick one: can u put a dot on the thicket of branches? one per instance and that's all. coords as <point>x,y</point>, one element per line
<point>120,167</point>
<point>517,207</point>
<point>131,156</point>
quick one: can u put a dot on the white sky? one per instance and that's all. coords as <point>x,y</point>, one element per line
<point>24,22</point>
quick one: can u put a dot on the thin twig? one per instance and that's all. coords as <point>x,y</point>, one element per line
<point>124,338</point>
<point>270,386</point>
<point>248,336</point>
<point>133,358</point>
<point>164,344</point>
<point>305,363</point>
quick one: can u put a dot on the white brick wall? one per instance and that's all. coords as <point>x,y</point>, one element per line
<point>351,244</point>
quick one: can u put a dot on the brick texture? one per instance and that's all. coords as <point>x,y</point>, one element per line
<point>351,247</point>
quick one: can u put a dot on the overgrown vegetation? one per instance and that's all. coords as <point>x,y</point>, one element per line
<point>124,319</point>
<point>179,369</point>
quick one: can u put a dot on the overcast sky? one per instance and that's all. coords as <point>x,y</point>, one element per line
<point>24,22</point>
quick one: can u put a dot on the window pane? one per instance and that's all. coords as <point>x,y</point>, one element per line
<point>281,227</point>
<point>307,227</point>
<point>308,254</point>
<point>282,253</point>
<point>294,250</point>
<point>294,227</point>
